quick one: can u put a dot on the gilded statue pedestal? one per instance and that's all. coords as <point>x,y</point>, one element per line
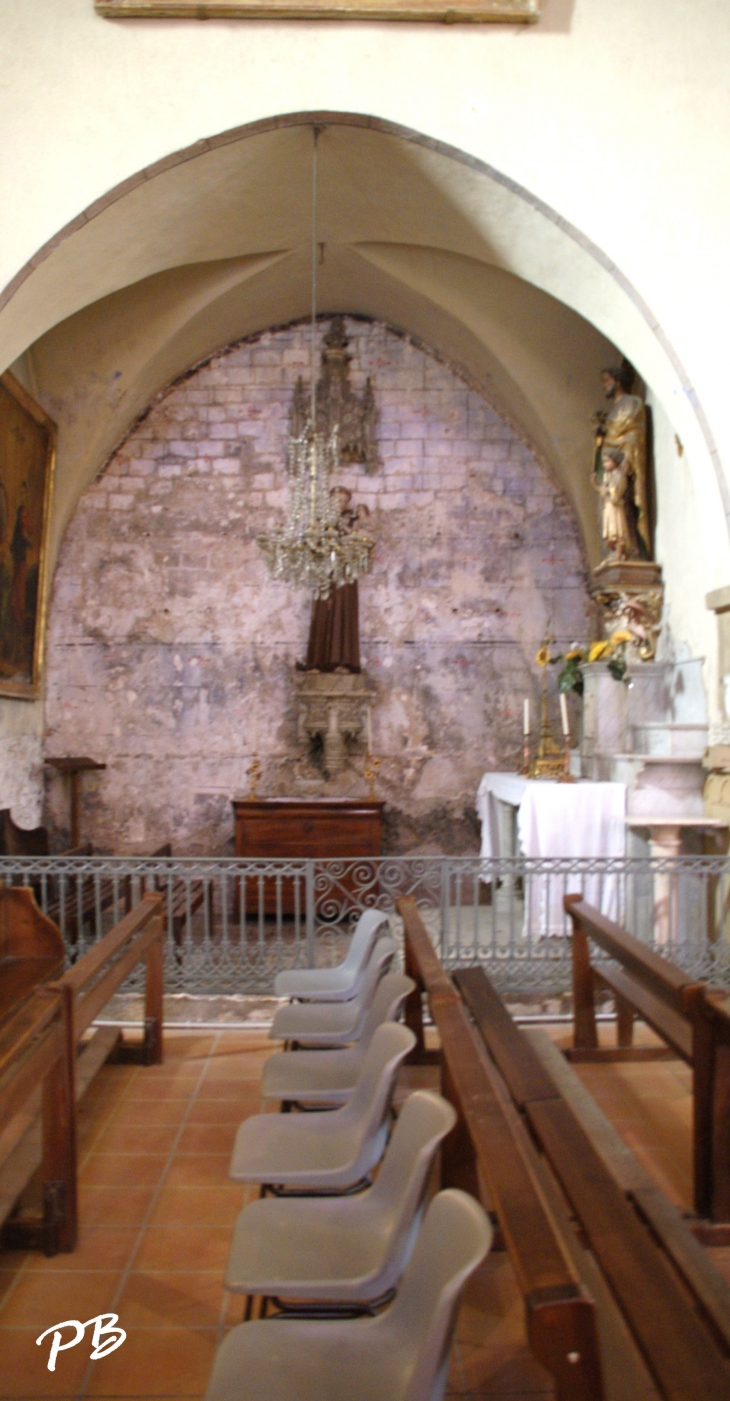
<point>630,595</point>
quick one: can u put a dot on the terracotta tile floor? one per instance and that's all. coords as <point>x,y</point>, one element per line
<point>157,1211</point>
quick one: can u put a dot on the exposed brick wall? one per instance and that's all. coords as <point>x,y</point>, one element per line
<point>171,653</point>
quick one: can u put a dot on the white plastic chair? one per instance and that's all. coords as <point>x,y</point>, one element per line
<point>329,1077</point>
<point>334,1023</point>
<point>401,1355</point>
<point>352,1250</point>
<point>327,1150</point>
<point>341,983</point>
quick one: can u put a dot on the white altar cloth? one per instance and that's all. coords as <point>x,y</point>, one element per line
<point>496,788</point>
<point>561,820</point>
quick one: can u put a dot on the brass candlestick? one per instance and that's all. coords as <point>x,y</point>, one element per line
<point>549,760</point>
<point>369,772</point>
<point>254,773</point>
<point>525,755</point>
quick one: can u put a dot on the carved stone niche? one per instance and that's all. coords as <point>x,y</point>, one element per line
<point>630,595</point>
<point>332,705</point>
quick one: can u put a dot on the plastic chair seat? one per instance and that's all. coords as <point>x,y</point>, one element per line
<point>327,1151</point>
<point>341,983</point>
<point>292,1150</point>
<point>400,1355</point>
<point>333,1023</point>
<point>312,1077</point>
<point>297,1360</point>
<point>329,1077</point>
<point>352,1249</point>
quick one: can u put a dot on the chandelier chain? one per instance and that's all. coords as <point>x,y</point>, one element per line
<point>318,547</point>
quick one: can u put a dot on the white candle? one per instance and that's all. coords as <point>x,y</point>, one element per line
<point>526,718</point>
<point>369,729</point>
<point>564,715</point>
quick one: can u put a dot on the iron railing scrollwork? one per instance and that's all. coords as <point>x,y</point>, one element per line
<point>231,925</point>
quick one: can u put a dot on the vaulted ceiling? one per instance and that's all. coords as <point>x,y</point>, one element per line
<point>217,246</point>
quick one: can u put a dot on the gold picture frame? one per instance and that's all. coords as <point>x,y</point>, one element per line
<point>27,463</point>
<point>424,11</point>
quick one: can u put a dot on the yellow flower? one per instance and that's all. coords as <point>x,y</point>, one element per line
<point>598,650</point>
<point>543,656</point>
<point>618,637</point>
<point>575,653</point>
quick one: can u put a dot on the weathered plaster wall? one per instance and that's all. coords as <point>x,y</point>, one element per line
<point>21,773</point>
<point>171,654</point>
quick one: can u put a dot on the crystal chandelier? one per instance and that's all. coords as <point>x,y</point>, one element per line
<point>317,547</point>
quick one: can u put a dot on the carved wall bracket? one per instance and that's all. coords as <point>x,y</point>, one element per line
<point>332,706</point>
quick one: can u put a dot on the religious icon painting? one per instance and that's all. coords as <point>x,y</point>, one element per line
<point>27,457</point>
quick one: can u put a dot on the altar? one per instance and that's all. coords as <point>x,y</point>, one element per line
<point>540,819</point>
<point>550,818</point>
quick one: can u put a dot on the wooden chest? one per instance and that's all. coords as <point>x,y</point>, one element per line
<point>294,827</point>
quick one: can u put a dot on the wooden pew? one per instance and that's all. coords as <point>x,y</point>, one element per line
<point>100,972</point>
<point>31,948</point>
<point>36,1048</point>
<point>182,898</point>
<point>691,1019</point>
<point>648,1277</point>
<point>21,841</point>
<point>29,1132</point>
<point>35,1036</point>
<point>645,984</point>
<point>30,841</point>
<point>79,905</point>
<point>664,1313</point>
<point>560,1317</point>
<point>711,1084</point>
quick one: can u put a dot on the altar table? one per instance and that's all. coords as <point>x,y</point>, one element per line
<point>562,820</point>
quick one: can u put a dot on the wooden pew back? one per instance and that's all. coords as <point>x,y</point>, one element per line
<point>36,1049</point>
<point>21,841</point>
<point>661,993</point>
<point>679,1348</point>
<point>38,1043</point>
<point>691,1018</point>
<point>31,948</point>
<point>560,1319</point>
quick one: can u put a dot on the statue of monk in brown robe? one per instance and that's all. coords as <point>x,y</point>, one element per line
<point>334,633</point>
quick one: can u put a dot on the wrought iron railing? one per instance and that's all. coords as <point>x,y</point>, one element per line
<point>233,924</point>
